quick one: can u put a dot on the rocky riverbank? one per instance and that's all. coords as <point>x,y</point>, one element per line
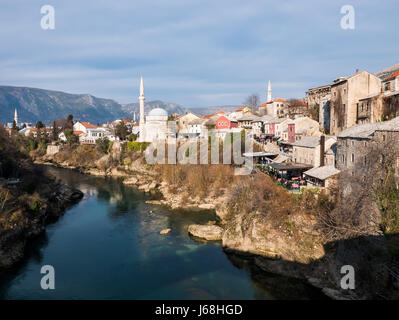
<point>289,245</point>
<point>25,214</point>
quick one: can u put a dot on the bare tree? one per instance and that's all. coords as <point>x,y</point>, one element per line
<point>252,101</point>
<point>367,198</point>
<point>297,107</point>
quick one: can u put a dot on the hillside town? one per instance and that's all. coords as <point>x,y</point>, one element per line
<point>299,147</point>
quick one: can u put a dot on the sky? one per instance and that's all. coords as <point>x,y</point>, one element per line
<point>195,53</point>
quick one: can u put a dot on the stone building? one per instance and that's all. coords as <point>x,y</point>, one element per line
<point>275,108</point>
<point>391,82</point>
<point>345,95</point>
<point>183,121</point>
<point>302,126</point>
<point>383,105</point>
<point>354,144</point>
<point>278,126</point>
<point>245,122</point>
<point>320,97</point>
<point>196,127</point>
<point>312,150</point>
<point>261,125</point>
<point>321,176</point>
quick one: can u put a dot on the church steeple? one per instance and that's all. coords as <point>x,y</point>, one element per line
<point>269,91</point>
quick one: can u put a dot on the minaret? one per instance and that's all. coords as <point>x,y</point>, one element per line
<point>269,91</point>
<point>16,116</point>
<point>141,100</point>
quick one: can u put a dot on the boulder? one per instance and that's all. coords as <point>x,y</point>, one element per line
<point>165,231</point>
<point>207,232</point>
<point>132,180</point>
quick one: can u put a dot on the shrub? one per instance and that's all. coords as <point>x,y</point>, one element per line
<point>36,205</point>
<point>134,146</point>
<point>103,145</point>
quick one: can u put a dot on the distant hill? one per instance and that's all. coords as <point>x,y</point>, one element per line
<point>169,107</point>
<point>46,105</point>
<point>210,110</point>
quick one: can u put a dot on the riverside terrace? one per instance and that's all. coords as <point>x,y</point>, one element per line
<point>288,175</point>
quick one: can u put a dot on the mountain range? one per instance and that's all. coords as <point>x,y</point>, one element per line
<point>214,109</point>
<point>47,105</point>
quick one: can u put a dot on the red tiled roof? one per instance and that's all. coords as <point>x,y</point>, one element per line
<point>221,111</point>
<point>77,133</point>
<point>392,75</point>
<point>241,108</point>
<point>88,125</point>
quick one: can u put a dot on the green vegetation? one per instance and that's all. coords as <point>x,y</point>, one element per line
<point>36,205</point>
<point>387,195</point>
<point>39,125</point>
<point>133,146</point>
<point>103,145</point>
<point>132,137</point>
<point>121,131</point>
<point>71,138</point>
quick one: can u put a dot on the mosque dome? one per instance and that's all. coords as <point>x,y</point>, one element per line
<point>158,112</point>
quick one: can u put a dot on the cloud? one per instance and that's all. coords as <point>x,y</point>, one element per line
<point>195,53</point>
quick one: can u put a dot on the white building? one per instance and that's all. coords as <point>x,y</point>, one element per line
<point>155,125</point>
<point>88,133</point>
<point>277,108</point>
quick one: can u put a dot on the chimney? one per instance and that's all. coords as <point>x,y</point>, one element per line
<point>322,149</point>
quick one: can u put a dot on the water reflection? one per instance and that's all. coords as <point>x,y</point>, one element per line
<point>108,247</point>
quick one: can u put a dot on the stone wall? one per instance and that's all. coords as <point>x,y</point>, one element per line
<point>353,153</point>
<point>52,149</point>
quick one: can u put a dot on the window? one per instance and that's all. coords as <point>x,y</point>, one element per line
<point>353,157</point>
<point>383,137</point>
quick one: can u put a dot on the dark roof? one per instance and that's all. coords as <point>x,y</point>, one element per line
<point>308,142</point>
<point>288,167</point>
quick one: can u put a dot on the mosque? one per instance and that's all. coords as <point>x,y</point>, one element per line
<point>155,125</point>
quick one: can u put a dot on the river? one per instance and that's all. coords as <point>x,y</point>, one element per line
<point>108,246</point>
